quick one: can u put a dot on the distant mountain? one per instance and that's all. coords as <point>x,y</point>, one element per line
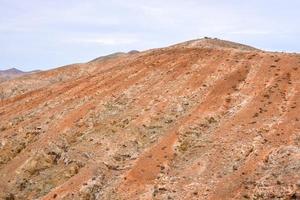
<point>12,73</point>
<point>114,55</point>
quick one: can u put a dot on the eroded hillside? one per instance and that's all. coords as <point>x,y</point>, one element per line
<point>206,119</point>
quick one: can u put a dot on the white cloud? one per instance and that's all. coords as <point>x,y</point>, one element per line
<point>250,32</point>
<point>104,40</point>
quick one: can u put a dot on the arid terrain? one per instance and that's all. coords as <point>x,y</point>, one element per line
<point>204,119</point>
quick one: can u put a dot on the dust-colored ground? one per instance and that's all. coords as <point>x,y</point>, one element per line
<point>205,119</point>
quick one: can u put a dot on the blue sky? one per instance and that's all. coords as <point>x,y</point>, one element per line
<point>43,34</point>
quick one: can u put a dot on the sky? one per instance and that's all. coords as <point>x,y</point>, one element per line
<point>44,34</point>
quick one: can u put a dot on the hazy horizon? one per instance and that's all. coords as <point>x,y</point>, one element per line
<point>47,34</point>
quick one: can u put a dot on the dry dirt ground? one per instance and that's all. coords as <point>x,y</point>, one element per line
<point>204,119</point>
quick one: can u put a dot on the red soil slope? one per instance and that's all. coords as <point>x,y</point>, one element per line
<point>205,119</point>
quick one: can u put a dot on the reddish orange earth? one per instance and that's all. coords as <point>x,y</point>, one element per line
<point>204,119</point>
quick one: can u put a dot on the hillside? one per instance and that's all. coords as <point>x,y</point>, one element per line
<point>204,119</point>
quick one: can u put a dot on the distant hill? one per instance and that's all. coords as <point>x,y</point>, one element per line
<point>114,55</point>
<point>12,73</point>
